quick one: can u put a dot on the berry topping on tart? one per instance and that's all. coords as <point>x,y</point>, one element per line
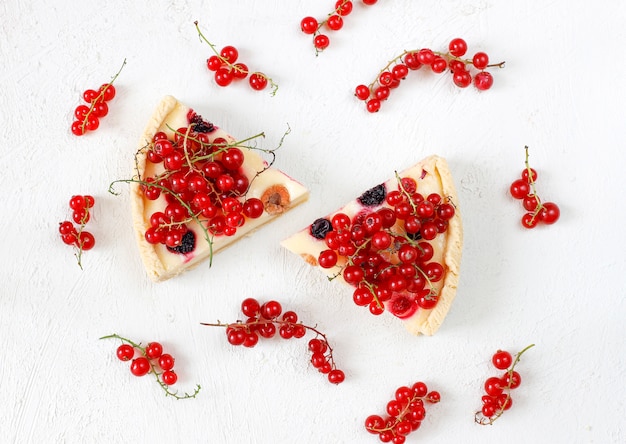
<point>398,245</point>
<point>197,189</point>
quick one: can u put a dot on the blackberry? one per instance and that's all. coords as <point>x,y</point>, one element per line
<point>320,227</point>
<point>374,196</point>
<point>187,245</point>
<point>200,125</point>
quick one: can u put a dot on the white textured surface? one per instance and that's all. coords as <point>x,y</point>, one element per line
<point>560,287</point>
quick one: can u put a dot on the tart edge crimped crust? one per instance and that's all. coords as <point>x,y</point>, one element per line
<point>152,263</point>
<point>451,259</point>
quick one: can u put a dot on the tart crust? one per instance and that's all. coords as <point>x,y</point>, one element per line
<point>159,262</point>
<point>433,176</point>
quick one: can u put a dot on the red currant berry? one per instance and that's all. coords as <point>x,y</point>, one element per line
<point>493,386</point>
<point>224,76</point>
<point>343,7</point>
<point>253,208</point>
<point>166,361</point>
<point>439,65</point>
<point>100,109</point>
<point>483,81</point>
<point>327,259</point>
<point>530,220</point>
<point>511,380</point>
<point>369,2</point>
<point>229,54</point>
<point>125,352</point>
<point>321,42</point>
<point>214,63</point>
<point>502,359</point>
<point>334,22</point>
<point>66,227</point>
<point>86,240</point>
<point>258,81</point>
<point>108,91</point>
<point>154,350</point>
<point>425,56</point>
<point>240,70</point>
<point>309,25</point>
<point>336,376</point>
<point>169,377</point>
<point>81,111</point>
<point>411,61</point>
<point>462,79</point>
<point>457,47</point>
<point>550,213</point>
<point>90,95</point>
<point>532,177</point>
<point>489,409</point>
<point>140,366</point>
<point>362,92</point>
<point>373,105</point>
<point>400,71</point>
<point>78,129</point>
<point>433,397</point>
<point>271,309</point>
<point>480,60</point>
<point>519,189</point>
<point>530,203</point>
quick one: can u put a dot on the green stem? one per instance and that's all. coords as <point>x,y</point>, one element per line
<point>154,370</point>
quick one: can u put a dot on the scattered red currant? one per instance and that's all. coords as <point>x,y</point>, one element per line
<point>80,238</point>
<point>88,116</point>
<point>497,396</point>
<point>222,64</point>
<point>399,67</point>
<point>537,211</point>
<point>267,319</point>
<point>404,413</point>
<point>334,21</point>
<point>151,359</point>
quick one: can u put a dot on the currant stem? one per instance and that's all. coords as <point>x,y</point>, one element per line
<point>246,325</point>
<point>99,98</point>
<point>482,420</point>
<point>531,181</point>
<point>273,85</point>
<point>154,370</point>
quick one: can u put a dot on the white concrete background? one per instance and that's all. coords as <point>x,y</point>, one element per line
<point>560,287</point>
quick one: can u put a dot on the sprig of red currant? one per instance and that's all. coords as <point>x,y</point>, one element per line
<point>80,238</point>
<point>88,116</point>
<point>332,22</point>
<point>265,320</point>
<point>226,68</point>
<point>385,253</point>
<point>405,413</point>
<point>537,211</point>
<point>498,388</point>
<point>151,359</point>
<point>399,67</point>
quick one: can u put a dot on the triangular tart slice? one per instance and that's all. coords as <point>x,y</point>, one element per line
<point>196,189</point>
<point>398,245</point>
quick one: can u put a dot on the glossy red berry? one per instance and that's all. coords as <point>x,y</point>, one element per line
<point>140,366</point>
<point>166,361</point>
<point>502,360</point>
<point>321,42</point>
<point>258,81</point>
<point>169,377</point>
<point>480,60</point>
<point>154,350</point>
<point>309,25</point>
<point>483,80</point>
<point>457,47</point>
<point>125,352</point>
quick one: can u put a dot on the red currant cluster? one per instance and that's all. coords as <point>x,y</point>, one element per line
<point>264,320</point>
<point>405,413</point>
<point>202,180</point>
<point>386,252</point>
<point>498,388</point>
<point>88,116</point>
<point>82,239</point>
<point>151,359</point>
<point>399,67</point>
<point>524,189</point>
<point>333,22</point>
<point>226,69</point>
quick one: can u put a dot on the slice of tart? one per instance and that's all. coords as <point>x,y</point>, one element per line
<point>197,189</point>
<point>398,245</point>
